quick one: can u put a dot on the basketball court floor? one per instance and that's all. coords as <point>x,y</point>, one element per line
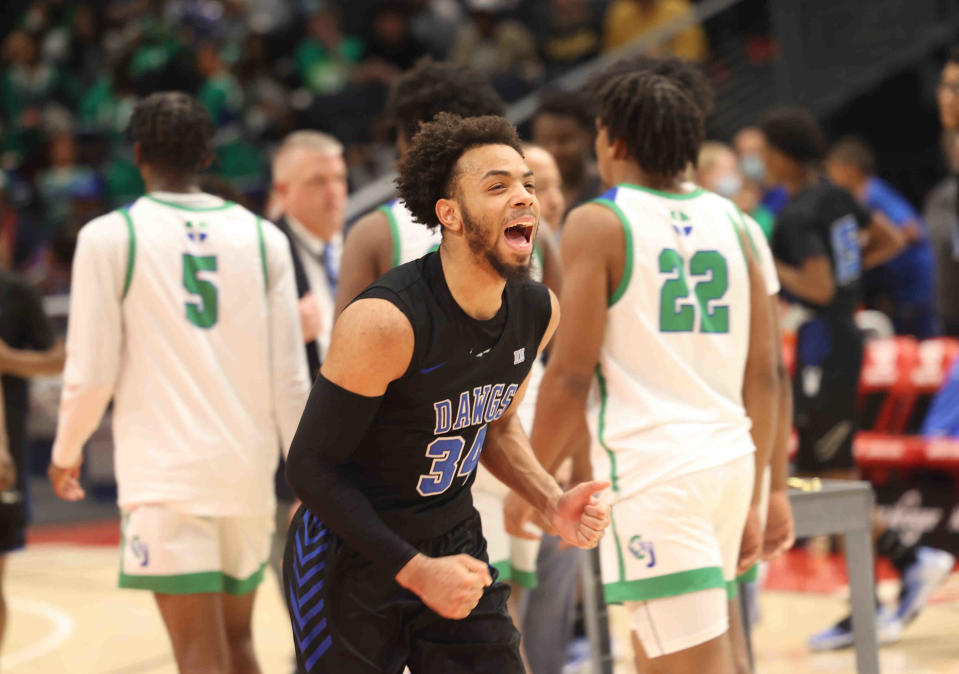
<point>67,615</point>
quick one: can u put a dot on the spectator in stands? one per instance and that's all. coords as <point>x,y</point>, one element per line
<point>29,87</point>
<point>749,145</point>
<point>907,279</point>
<point>719,172</point>
<point>326,58</point>
<point>498,46</point>
<point>434,22</point>
<point>563,125</point>
<point>627,20</point>
<point>220,92</point>
<point>62,182</point>
<point>819,259</point>
<point>943,222</point>
<point>568,34</point>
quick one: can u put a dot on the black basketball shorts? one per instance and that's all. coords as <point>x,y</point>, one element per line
<point>349,617</point>
<point>828,363</point>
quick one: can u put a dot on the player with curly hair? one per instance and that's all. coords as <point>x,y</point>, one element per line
<point>386,563</point>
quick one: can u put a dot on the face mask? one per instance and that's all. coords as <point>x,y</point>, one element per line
<point>752,167</point>
<point>729,185</point>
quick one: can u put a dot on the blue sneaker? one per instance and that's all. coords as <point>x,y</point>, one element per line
<point>888,631</point>
<point>921,579</point>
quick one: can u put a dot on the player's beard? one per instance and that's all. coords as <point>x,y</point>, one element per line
<point>480,247</point>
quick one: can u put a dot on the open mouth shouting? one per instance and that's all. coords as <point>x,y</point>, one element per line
<point>519,234</point>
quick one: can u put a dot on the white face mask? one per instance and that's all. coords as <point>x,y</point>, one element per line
<point>752,167</point>
<point>729,185</point>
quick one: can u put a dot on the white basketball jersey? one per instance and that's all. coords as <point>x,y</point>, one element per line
<point>668,393</point>
<point>204,385</point>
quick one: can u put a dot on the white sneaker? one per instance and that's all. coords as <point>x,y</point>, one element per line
<point>920,580</point>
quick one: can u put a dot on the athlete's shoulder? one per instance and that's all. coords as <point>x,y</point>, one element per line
<point>372,231</point>
<point>107,228</point>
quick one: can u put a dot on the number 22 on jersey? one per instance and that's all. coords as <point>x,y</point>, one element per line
<point>676,312</point>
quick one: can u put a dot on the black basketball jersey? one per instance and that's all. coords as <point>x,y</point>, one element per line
<point>416,462</point>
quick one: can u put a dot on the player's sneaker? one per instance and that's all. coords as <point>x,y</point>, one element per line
<point>888,631</point>
<point>921,579</point>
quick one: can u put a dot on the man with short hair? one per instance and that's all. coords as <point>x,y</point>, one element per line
<point>386,564</point>
<point>563,126</point>
<point>309,196</point>
<point>388,236</point>
<point>183,312</point>
<point>908,280</point>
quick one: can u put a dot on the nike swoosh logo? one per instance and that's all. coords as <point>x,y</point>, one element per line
<point>427,370</point>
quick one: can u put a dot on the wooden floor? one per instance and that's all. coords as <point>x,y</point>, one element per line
<point>67,615</point>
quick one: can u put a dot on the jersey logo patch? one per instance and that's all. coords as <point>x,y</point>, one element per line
<point>519,356</point>
<point>196,231</point>
<point>682,229</point>
<point>140,551</point>
<point>643,551</point>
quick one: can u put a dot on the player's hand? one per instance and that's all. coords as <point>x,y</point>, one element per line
<point>780,529</point>
<point>579,518</point>
<point>452,586</point>
<point>8,471</point>
<point>752,542</point>
<point>517,513</point>
<point>310,321</point>
<point>66,482</point>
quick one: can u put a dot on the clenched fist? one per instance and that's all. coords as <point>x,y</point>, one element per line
<point>452,586</point>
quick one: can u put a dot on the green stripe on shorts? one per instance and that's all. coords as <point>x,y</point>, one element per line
<point>732,589</point>
<point>750,576</point>
<point>194,583</point>
<point>668,585</point>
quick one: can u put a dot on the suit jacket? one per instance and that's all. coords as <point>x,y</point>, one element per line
<point>302,288</point>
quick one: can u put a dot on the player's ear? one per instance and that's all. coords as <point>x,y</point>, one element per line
<point>447,212</point>
<point>620,151</point>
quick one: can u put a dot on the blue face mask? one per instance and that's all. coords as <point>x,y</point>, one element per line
<point>729,185</point>
<point>752,167</point>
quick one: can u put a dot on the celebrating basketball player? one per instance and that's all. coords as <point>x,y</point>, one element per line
<point>386,564</point>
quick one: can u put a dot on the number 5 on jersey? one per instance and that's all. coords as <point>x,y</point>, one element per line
<point>202,313</point>
<point>676,316</point>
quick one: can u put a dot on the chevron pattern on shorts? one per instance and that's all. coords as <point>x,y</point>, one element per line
<point>305,583</point>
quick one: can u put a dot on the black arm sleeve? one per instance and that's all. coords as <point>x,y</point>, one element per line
<point>333,424</point>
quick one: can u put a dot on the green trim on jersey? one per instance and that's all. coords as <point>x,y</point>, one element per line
<point>195,209</point>
<point>395,231</point>
<point>668,585</point>
<point>749,237</point>
<point>628,266</point>
<point>266,274</point>
<point>668,195</point>
<point>194,583</point>
<point>131,252</point>
<point>527,579</point>
<point>738,238</point>
<point>614,480</point>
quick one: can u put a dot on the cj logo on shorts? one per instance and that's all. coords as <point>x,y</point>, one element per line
<point>140,551</point>
<point>642,550</point>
